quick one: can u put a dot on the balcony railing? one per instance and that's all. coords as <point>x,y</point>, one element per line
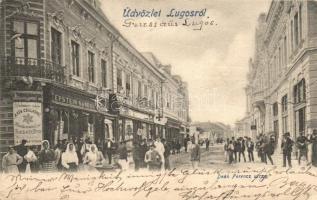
<point>36,68</point>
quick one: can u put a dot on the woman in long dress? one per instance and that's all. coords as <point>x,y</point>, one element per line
<point>70,158</point>
<point>10,161</point>
<point>47,158</point>
<point>93,158</point>
<point>31,160</point>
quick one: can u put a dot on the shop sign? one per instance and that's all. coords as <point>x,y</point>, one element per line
<point>78,102</point>
<point>27,117</point>
<point>135,114</point>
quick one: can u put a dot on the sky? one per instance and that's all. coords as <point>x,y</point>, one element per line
<point>213,60</point>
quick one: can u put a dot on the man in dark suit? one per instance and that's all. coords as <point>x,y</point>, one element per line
<point>301,143</point>
<point>250,148</point>
<point>22,151</point>
<point>235,148</point>
<point>109,146</point>
<point>287,145</point>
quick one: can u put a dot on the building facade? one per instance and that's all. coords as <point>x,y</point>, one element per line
<point>67,73</point>
<point>281,90</point>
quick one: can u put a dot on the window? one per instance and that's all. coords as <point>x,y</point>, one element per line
<point>91,66</point>
<point>139,89</point>
<point>300,22</point>
<point>292,35</point>
<point>26,42</point>
<point>156,100</point>
<point>56,46</point>
<point>300,92</point>
<point>128,84</point>
<point>145,91</point>
<point>119,80</point>
<point>284,104</point>
<point>301,120</point>
<point>75,58</point>
<point>285,124</point>
<point>280,60</point>
<point>275,109</point>
<point>296,31</point>
<point>285,51</point>
<point>103,73</point>
<point>152,97</point>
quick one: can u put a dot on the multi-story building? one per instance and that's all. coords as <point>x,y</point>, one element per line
<point>282,84</point>
<point>175,102</point>
<point>67,73</point>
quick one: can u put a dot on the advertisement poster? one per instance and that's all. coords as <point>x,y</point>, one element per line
<point>27,118</point>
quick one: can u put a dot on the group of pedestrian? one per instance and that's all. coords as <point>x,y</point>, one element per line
<point>64,157</point>
<point>153,155</point>
<point>235,149</point>
<point>305,146</point>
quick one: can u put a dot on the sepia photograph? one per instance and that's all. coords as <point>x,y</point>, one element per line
<point>153,99</point>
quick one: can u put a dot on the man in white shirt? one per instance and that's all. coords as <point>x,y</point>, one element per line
<point>159,147</point>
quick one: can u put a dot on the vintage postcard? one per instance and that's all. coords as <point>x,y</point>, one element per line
<point>158,99</point>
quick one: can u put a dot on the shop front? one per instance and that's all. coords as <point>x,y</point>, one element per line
<point>173,130</point>
<point>71,114</point>
<point>134,125</point>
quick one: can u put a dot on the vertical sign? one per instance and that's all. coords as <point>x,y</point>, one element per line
<point>27,118</point>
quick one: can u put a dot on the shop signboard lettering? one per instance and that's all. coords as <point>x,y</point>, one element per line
<point>27,117</point>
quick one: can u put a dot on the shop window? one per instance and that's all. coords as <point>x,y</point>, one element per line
<point>104,73</point>
<point>75,58</point>
<point>91,66</point>
<point>25,42</point>
<point>56,46</point>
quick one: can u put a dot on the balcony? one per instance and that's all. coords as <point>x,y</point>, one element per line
<point>36,68</point>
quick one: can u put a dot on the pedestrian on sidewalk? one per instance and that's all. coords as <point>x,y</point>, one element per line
<point>314,148</point>
<point>230,151</point>
<point>269,150</point>
<point>69,158</point>
<point>235,146</point>
<point>167,153</point>
<point>143,150</point>
<point>159,147</point>
<point>22,150</point>
<point>226,146</point>
<point>109,148</point>
<point>207,144</point>
<point>287,145</point>
<point>11,161</point>
<point>136,154</point>
<point>123,156</point>
<point>47,158</point>
<point>250,148</point>
<point>153,159</point>
<point>301,143</point>
<point>186,141</point>
<point>242,148</point>
<point>195,155</point>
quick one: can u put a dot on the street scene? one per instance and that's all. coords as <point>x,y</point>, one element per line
<point>82,91</point>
